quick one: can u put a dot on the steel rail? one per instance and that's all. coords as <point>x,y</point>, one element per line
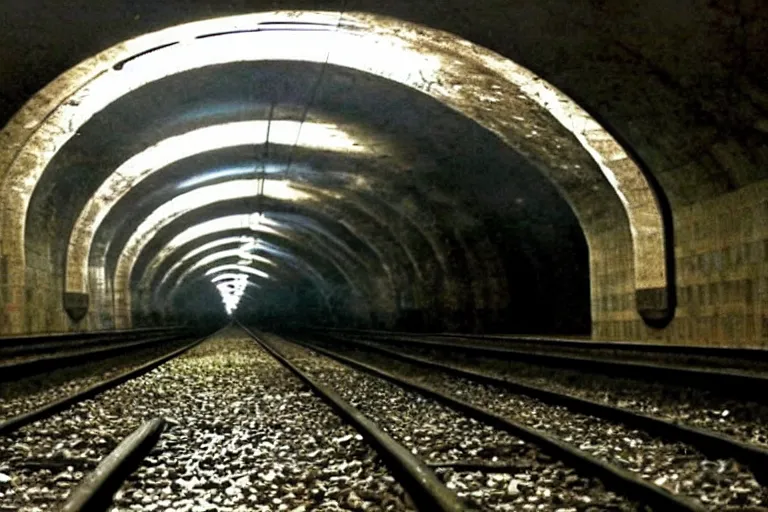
<point>738,384</point>
<point>96,492</point>
<point>56,406</point>
<point>620,479</point>
<point>708,442</point>
<point>746,353</point>
<point>56,344</point>
<point>63,337</point>
<point>425,489</point>
<point>28,367</point>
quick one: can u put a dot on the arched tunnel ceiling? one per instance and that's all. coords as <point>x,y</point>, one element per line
<point>370,165</point>
<point>649,70</point>
<point>551,132</point>
<point>400,175</point>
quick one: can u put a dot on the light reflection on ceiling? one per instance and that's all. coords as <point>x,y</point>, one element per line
<point>230,172</point>
<point>221,255</point>
<point>207,247</point>
<point>180,205</point>
<point>238,268</point>
<point>154,159</point>
<point>229,223</point>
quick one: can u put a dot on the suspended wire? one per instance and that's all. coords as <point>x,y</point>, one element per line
<point>262,177</point>
<point>314,91</point>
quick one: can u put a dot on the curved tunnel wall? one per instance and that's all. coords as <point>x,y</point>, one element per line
<point>613,266</point>
<point>464,300</point>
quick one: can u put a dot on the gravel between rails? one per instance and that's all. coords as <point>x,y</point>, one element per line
<point>27,394</point>
<point>717,483</point>
<point>243,434</point>
<point>743,420</point>
<point>439,434</point>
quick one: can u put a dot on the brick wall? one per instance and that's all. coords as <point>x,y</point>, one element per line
<point>722,276</point>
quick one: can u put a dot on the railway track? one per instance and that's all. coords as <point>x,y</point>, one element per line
<point>425,490</point>
<point>730,382</point>
<point>709,442</point>
<point>256,422</point>
<point>45,357</point>
<point>473,433</point>
<point>15,432</point>
<point>38,391</point>
<point>735,417</point>
<point>747,358</point>
<point>215,423</point>
<point>622,439</point>
<point>18,346</point>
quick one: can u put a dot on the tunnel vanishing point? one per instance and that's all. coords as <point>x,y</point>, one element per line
<point>592,168</point>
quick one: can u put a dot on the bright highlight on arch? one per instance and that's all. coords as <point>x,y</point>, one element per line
<point>201,250</point>
<point>159,293</point>
<point>174,209</point>
<point>249,260</point>
<point>300,267</point>
<point>188,273</point>
<point>482,85</point>
<point>185,203</point>
<point>243,241</point>
<point>222,255</point>
<point>238,268</point>
<point>222,224</point>
<point>173,149</point>
<point>333,252</point>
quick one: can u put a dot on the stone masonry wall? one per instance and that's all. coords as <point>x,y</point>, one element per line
<point>722,277</point>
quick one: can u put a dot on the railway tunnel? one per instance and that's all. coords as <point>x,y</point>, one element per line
<point>595,171</point>
<point>550,184</point>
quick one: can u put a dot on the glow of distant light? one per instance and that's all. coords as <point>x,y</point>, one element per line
<point>232,292</point>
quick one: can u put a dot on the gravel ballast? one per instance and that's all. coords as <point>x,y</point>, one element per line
<point>441,435</point>
<point>24,395</point>
<point>243,434</point>
<point>717,483</point>
<point>743,420</point>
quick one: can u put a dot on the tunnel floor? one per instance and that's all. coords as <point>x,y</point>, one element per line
<point>243,432</point>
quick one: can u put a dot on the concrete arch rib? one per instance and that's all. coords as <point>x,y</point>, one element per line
<point>213,269</point>
<point>154,277</point>
<point>204,266</point>
<point>173,149</point>
<point>469,78</point>
<point>177,249</point>
<point>278,262</point>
